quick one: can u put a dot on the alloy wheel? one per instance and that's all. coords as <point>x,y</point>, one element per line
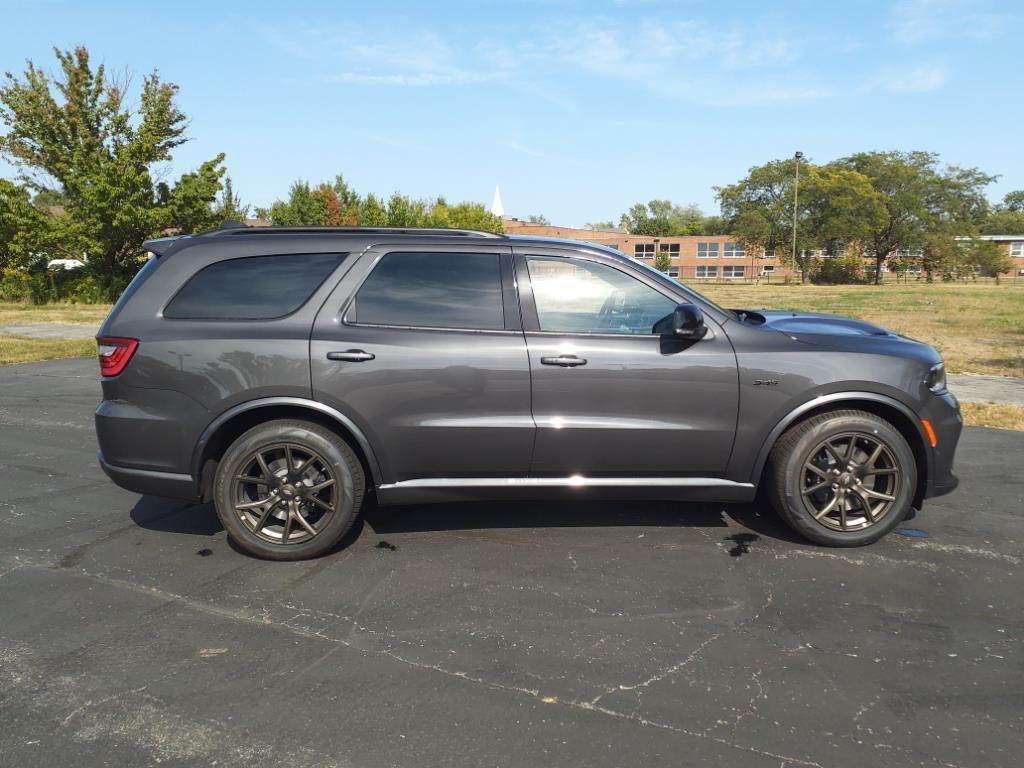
<point>850,481</point>
<point>285,493</point>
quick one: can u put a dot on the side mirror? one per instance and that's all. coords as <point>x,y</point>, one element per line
<point>685,322</point>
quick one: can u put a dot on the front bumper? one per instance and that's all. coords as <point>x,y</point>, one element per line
<point>943,411</point>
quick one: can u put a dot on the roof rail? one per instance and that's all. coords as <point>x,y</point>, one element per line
<point>232,228</point>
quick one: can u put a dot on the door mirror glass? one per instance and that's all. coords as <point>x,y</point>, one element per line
<point>685,322</point>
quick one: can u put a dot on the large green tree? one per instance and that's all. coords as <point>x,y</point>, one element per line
<point>839,206</point>
<point>82,136</point>
<point>759,209</point>
<point>919,194</point>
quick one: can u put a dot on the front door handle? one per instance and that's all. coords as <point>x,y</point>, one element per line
<point>565,361</point>
<point>351,356</point>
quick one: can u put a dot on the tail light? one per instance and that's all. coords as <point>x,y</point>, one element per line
<point>115,353</point>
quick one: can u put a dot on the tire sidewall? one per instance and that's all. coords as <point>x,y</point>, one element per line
<point>347,473</point>
<point>805,523</point>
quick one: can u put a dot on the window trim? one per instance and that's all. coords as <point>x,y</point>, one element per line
<point>531,320</point>
<point>343,258</point>
<point>510,314</point>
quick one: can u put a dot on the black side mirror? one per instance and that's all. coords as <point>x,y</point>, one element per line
<point>685,322</point>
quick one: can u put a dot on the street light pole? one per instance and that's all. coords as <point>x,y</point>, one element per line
<point>796,196</point>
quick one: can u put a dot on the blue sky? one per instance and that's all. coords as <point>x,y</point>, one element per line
<point>577,108</point>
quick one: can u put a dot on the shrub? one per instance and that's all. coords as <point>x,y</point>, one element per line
<point>839,270</point>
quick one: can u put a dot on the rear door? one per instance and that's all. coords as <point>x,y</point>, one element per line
<point>422,347</point>
<point>611,399</point>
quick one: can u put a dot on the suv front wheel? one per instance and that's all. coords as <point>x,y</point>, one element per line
<point>288,490</point>
<point>843,478</point>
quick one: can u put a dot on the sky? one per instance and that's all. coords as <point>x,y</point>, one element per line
<point>577,108</point>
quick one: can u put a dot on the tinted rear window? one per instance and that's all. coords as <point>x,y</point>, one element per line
<point>432,290</point>
<point>252,288</point>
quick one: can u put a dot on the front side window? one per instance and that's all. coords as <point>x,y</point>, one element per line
<point>577,296</point>
<point>432,290</point>
<point>252,288</point>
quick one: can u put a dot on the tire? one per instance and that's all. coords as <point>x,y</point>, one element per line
<point>288,490</point>
<point>831,498</point>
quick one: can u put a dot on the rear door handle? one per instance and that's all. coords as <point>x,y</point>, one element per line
<point>565,361</point>
<point>351,356</point>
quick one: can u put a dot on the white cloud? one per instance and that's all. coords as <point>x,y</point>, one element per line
<point>919,79</point>
<point>917,21</point>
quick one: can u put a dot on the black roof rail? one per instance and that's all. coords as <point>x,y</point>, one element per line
<point>237,228</point>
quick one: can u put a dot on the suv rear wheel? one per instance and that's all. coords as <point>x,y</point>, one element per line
<point>288,490</point>
<point>843,478</point>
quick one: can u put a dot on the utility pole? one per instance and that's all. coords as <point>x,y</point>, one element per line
<point>796,197</point>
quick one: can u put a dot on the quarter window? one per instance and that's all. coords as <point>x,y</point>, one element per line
<point>576,296</point>
<point>432,290</point>
<point>707,250</point>
<point>252,288</point>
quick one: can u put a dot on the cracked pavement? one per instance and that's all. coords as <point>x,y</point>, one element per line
<point>570,634</point>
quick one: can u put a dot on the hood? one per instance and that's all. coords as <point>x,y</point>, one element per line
<point>817,324</point>
<point>840,333</point>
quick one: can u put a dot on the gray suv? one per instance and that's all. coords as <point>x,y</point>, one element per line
<point>286,373</point>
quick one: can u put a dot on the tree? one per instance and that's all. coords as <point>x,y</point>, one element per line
<point>1004,222</point>
<point>607,225</point>
<point>662,261</point>
<point>763,201</point>
<point>303,208</point>
<point>841,206</point>
<point>229,206</point>
<point>22,224</point>
<point>662,218</point>
<point>539,219</point>
<point>918,195</point>
<point>1014,201</point>
<point>80,137</point>
<point>940,254</point>
<point>988,257</point>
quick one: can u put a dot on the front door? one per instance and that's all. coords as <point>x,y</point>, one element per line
<point>610,398</point>
<point>428,359</point>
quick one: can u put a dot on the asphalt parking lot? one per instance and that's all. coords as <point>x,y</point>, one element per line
<point>574,634</point>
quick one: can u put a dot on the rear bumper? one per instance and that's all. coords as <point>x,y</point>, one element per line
<point>150,482</point>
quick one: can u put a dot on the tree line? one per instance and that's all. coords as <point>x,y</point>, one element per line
<point>91,184</point>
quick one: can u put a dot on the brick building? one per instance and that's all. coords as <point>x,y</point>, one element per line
<point>717,257</point>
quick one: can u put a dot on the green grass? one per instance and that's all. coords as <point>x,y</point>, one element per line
<point>90,314</point>
<point>20,349</point>
<point>977,328</point>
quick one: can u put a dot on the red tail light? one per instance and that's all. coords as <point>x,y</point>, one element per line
<point>115,354</point>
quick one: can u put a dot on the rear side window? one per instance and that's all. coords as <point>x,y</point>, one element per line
<point>252,288</point>
<point>432,290</point>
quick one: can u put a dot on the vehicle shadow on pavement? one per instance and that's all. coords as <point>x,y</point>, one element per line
<point>175,516</point>
<point>178,517</point>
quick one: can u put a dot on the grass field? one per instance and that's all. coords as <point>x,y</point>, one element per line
<point>977,328</point>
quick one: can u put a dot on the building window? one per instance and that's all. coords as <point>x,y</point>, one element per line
<point>673,271</point>
<point>769,253</point>
<point>730,272</point>
<point>706,271</point>
<point>643,251</point>
<point>707,250</point>
<point>767,269</point>
<point>1017,249</point>
<point>672,249</point>
<point>734,251</point>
